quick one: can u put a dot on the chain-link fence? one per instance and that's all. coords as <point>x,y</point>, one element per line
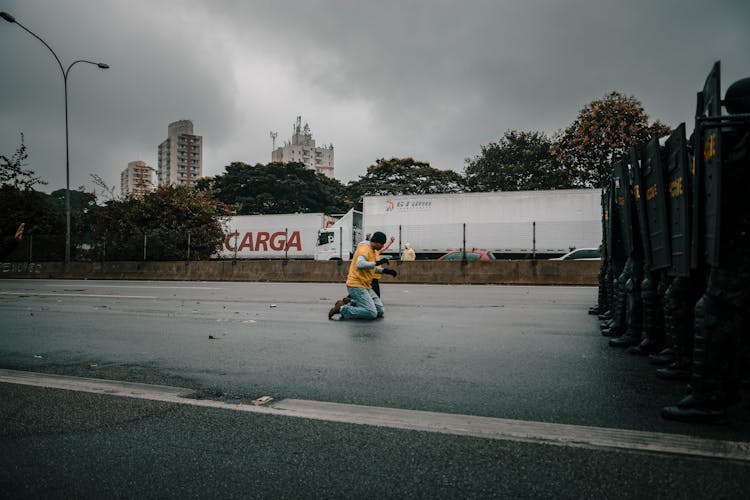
<point>160,245</point>
<point>522,240</point>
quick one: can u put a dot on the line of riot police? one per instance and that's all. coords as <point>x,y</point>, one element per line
<point>675,278</point>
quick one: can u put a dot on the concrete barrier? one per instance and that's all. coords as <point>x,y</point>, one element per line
<point>505,272</point>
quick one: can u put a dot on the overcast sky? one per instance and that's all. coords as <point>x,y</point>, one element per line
<point>430,79</point>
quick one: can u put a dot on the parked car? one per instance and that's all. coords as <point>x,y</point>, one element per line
<point>469,255</point>
<point>581,254</point>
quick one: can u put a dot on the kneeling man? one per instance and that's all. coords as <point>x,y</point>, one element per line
<point>363,302</point>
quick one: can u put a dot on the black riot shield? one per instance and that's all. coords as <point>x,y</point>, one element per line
<point>640,205</point>
<point>712,92</point>
<point>656,205</point>
<point>678,180</point>
<point>623,204</point>
<point>615,249</point>
<point>709,156</point>
<point>635,223</point>
<point>605,224</point>
<point>696,198</point>
<point>608,219</point>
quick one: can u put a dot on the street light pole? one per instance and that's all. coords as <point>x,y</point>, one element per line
<point>67,154</point>
<point>65,73</point>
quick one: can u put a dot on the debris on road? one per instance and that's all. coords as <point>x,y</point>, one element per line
<point>262,400</point>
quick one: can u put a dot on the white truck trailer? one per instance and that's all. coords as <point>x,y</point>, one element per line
<point>512,224</point>
<point>283,236</point>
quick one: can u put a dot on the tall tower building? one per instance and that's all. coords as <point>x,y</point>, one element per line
<point>180,155</point>
<point>136,179</point>
<point>302,150</point>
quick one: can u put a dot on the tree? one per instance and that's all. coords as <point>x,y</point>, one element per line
<point>275,188</point>
<point>404,176</point>
<point>518,161</point>
<point>82,208</point>
<point>603,130</point>
<point>44,220</point>
<point>166,217</point>
<point>19,202</point>
<point>107,190</point>
<point>12,172</point>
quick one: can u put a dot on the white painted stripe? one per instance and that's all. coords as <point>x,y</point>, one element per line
<point>97,296</point>
<point>444,423</point>
<point>142,286</point>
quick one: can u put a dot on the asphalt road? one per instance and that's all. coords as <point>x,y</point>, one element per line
<point>523,353</point>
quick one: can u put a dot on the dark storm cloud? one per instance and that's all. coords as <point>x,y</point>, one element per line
<point>444,77</point>
<point>157,75</point>
<point>429,79</point>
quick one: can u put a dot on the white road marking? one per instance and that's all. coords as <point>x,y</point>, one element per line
<point>92,295</point>
<point>425,421</point>
<point>144,286</point>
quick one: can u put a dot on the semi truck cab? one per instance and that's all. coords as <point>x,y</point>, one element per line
<point>338,241</point>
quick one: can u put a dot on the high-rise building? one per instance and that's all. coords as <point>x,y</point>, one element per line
<point>302,149</point>
<point>136,179</point>
<point>180,155</point>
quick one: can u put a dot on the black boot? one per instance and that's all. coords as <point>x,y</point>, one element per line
<point>699,407</point>
<point>653,318</point>
<point>675,371</point>
<point>617,323</point>
<point>612,332</point>
<point>632,327</point>
<point>647,346</point>
<point>624,341</point>
<point>712,389</point>
<point>664,357</point>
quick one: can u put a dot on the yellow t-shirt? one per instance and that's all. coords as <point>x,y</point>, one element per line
<point>361,277</point>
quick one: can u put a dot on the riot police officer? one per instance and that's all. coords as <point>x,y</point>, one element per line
<point>721,314</point>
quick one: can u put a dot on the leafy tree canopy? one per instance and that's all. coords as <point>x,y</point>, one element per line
<point>82,208</point>
<point>603,130</point>
<point>518,161</point>
<point>167,216</point>
<point>41,213</point>
<point>12,172</point>
<point>404,176</point>
<point>19,202</point>
<point>275,188</point>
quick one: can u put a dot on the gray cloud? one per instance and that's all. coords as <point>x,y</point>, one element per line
<point>430,79</point>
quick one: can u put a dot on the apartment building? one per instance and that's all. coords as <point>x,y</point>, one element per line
<point>302,149</point>
<point>180,156</point>
<point>136,179</point>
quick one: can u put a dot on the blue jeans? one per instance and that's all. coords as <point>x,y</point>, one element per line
<point>365,304</point>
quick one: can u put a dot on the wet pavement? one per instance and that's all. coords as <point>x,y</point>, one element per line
<point>525,353</point>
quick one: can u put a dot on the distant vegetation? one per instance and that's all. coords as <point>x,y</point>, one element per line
<point>578,156</point>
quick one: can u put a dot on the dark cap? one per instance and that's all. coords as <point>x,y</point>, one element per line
<point>378,237</point>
